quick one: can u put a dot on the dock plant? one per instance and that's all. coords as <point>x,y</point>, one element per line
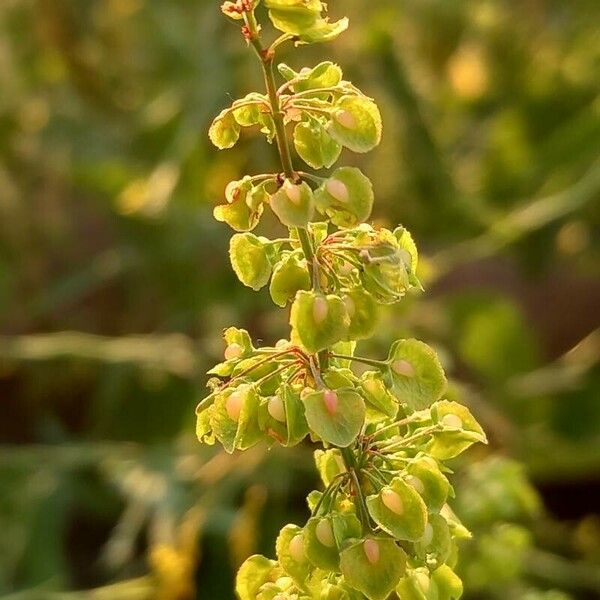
<point>381,526</point>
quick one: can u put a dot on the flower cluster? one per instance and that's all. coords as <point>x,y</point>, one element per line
<point>382,524</point>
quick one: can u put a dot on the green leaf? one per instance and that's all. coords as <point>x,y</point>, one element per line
<point>289,276</point>
<point>363,312</point>
<point>317,320</point>
<point>461,430</point>
<point>399,510</point>
<point>314,145</point>
<point>294,16</point>
<point>335,416</point>
<point>356,123</point>
<point>406,242</point>
<point>346,197</point>
<point>224,131</point>
<point>249,260</point>
<point>425,476</point>
<point>293,204</point>
<point>377,396</point>
<point>373,566</point>
<point>418,376</point>
<point>291,553</point>
<point>254,572</point>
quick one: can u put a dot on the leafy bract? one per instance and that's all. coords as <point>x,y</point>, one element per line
<point>318,320</point>
<point>356,123</point>
<point>346,197</point>
<point>293,204</point>
<point>373,566</point>
<point>417,375</point>
<point>224,131</point>
<point>335,416</point>
<point>399,510</point>
<point>249,260</point>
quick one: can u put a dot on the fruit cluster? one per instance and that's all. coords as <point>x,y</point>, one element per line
<point>382,526</point>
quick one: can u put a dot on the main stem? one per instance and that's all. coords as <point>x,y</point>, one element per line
<point>267,56</point>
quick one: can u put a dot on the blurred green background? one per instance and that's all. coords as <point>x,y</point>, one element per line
<point>115,284</point>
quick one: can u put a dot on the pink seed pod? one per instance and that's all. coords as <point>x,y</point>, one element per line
<point>331,401</point>
<point>276,409</point>
<point>320,310</point>
<point>324,533</point>
<point>403,367</point>
<point>345,119</point>
<point>338,190</point>
<point>392,501</point>
<point>233,351</point>
<point>371,548</point>
<point>233,406</point>
<point>293,192</point>
<point>296,548</point>
<point>453,421</point>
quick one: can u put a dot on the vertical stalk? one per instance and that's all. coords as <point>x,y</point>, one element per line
<point>266,56</point>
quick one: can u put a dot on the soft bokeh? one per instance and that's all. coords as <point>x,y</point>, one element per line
<point>115,284</point>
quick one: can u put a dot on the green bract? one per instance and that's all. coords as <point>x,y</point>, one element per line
<point>336,416</point>
<point>399,510</point>
<point>289,276</point>
<point>346,197</point>
<point>249,260</point>
<point>318,320</point>
<point>314,145</point>
<point>356,123</point>
<point>373,566</point>
<point>380,526</point>
<point>293,204</point>
<point>417,375</point>
<point>225,130</point>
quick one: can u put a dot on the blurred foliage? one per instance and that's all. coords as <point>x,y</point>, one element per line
<point>114,284</point>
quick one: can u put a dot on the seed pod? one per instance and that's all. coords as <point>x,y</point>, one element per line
<point>417,374</point>
<point>356,123</point>
<point>460,430</point>
<point>318,321</point>
<point>234,418</point>
<point>335,416</point>
<point>363,312</point>
<point>346,197</point>
<point>254,572</point>
<point>399,510</point>
<point>291,553</point>
<point>249,260</point>
<point>436,542</point>
<point>373,566</point>
<point>224,131</point>
<point>293,204</point>
<point>289,276</point>
<point>314,145</point>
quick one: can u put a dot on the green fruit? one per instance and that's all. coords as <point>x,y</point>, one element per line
<point>373,566</point>
<point>356,123</point>
<point>336,416</point>
<point>346,197</point>
<point>293,204</point>
<point>318,321</point>
<point>249,260</point>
